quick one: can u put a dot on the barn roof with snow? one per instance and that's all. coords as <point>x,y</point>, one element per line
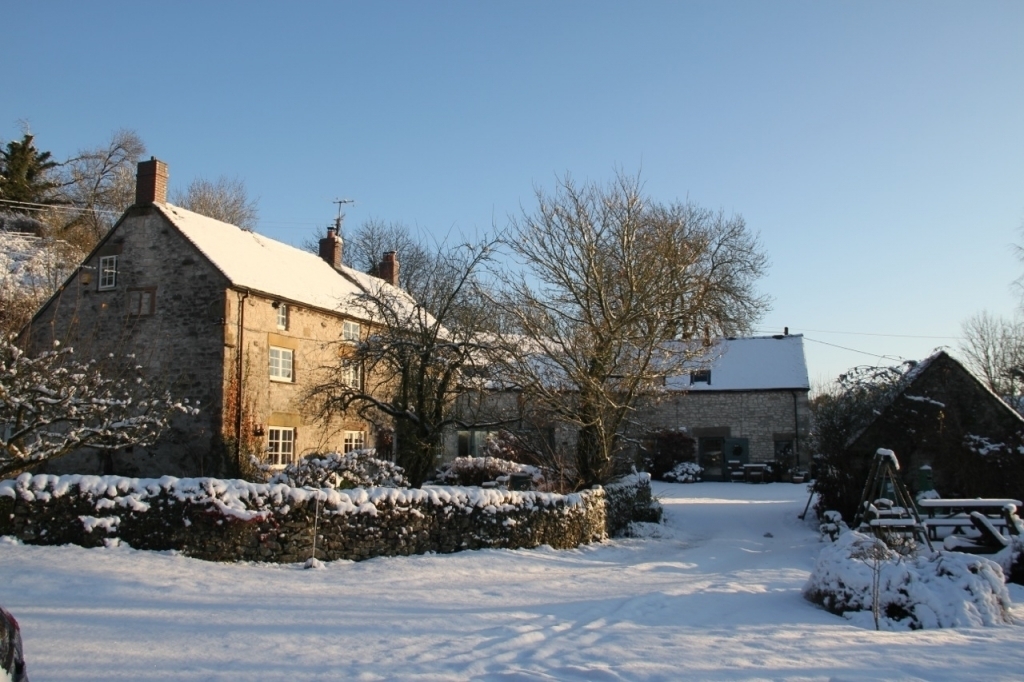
<point>757,363</point>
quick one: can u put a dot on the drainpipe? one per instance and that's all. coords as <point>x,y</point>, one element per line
<point>238,379</point>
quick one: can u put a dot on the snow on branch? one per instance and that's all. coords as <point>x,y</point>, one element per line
<point>52,404</point>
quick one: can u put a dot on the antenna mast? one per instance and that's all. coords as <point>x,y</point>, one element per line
<point>341,216</point>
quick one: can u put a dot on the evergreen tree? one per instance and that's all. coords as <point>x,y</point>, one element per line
<point>25,174</point>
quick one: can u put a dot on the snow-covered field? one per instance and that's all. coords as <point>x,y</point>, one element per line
<point>716,597</point>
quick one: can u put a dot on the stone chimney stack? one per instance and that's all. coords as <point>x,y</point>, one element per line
<point>151,182</point>
<point>331,248</point>
<point>388,268</point>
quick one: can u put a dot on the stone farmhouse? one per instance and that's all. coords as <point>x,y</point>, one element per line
<point>227,318</point>
<point>745,401</point>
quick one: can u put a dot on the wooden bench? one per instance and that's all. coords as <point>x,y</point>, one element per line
<point>989,521</point>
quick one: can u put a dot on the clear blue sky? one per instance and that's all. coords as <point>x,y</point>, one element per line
<point>877,147</point>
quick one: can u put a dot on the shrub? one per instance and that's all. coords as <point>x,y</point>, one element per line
<point>684,472</point>
<point>478,470</point>
<point>944,589</point>
<point>356,469</point>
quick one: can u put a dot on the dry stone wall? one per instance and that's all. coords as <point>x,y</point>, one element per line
<point>230,520</point>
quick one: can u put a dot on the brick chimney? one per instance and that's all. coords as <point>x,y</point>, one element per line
<point>331,248</point>
<point>388,268</point>
<point>151,182</point>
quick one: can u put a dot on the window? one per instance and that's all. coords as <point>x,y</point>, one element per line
<point>354,440</point>
<point>700,376</point>
<point>282,316</point>
<point>280,445</point>
<point>352,374</point>
<point>471,443</point>
<point>281,364</point>
<point>141,301</point>
<point>108,272</point>
<point>350,331</point>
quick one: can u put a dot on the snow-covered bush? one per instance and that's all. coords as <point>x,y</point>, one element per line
<point>832,525</point>
<point>356,469</point>
<point>684,472</point>
<point>478,470</point>
<point>944,589</point>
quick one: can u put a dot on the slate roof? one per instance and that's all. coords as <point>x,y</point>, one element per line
<point>253,261</point>
<point>756,363</point>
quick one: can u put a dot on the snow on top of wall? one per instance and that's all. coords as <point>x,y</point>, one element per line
<point>246,500</point>
<point>253,261</point>
<point>751,364</point>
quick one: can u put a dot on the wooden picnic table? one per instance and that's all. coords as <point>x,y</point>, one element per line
<point>955,514</point>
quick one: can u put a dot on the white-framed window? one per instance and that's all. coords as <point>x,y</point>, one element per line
<point>141,301</point>
<point>282,316</point>
<point>280,445</point>
<point>354,440</point>
<point>352,374</point>
<point>108,272</point>
<point>350,331</point>
<point>282,364</point>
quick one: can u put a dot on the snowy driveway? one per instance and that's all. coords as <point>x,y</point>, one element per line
<point>715,597</point>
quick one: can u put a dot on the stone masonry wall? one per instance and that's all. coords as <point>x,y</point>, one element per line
<point>231,520</point>
<point>755,415</point>
<point>178,339</point>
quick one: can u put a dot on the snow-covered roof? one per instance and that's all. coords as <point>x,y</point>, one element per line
<point>253,261</point>
<point>756,363</point>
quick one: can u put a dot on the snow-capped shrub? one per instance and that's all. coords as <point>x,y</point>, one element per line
<point>684,472</point>
<point>944,589</point>
<point>356,469</point>
<point>832,525</point>
<point>478,470</point>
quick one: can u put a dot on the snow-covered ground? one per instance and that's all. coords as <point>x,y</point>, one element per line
<point>716,597</point>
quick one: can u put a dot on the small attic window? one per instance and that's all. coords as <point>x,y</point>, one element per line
<point>282,316</point>
<point>108,272</point>
<point>700,376</point>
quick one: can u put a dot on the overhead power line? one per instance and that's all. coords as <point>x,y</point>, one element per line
<point>30,206</point>
<point>888,336</point>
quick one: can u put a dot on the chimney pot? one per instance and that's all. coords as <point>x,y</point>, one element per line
<point>151,182</point>
<point>388,269</point>
<point>331,248</point>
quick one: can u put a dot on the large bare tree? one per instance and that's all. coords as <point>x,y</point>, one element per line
<point>616,292</point>
<point>408,369</point>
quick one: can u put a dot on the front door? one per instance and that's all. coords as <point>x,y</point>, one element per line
<point>711,459</point>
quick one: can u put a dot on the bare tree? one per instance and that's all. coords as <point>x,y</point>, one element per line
<point>408,370</point>
<point>224,199</point>
<point>364,247</point>
<point>100,184</point>
<point>993,348</point>
<point>616,290</point>
<point>51,405</point>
